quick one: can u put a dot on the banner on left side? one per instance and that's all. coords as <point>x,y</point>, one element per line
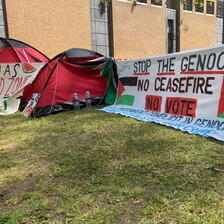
<point>13,79</point>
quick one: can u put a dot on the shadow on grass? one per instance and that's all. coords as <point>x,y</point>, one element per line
<point>108,167</point>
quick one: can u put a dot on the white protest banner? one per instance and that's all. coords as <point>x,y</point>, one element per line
<point>181,90</point>
<point>13,78</point>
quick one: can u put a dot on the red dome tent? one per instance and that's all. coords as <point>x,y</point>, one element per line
<point>13,52</point>
<point>16,51</point>
<point>75,70</point>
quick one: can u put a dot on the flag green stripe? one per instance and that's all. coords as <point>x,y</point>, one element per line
<point>221,115</point>
<point>126,100</point>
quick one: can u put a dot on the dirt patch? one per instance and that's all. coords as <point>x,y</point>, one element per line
<point>9,146</point>
<point>13,190</point>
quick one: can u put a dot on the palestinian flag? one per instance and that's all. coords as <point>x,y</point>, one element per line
<point>124,84</point>
<point>221,102</point>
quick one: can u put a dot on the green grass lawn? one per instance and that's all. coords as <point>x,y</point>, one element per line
<point>96,167</point>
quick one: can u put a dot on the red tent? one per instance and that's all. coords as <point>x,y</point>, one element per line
<point>75,70</point>
<point>13,52</point>
<point>16,51</point>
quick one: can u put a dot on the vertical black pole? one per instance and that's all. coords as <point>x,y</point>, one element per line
<point>221,2</point>
<point>110,28</point>
<point>177,8</point>
<point>5,19</point>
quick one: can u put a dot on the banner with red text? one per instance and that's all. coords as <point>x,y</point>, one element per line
<point>182,90</point>
<point>13,78</point>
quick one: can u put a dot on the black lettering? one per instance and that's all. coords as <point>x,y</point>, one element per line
<point>175,85</point>
<point>191,63</point>
<point>140,85</point>
<point>211,61</point>
<point>7,70</point>
<point>171,67</point>
<point>200,84</point>
<point>168,105</point>
<point>208,85</point>
<point>146,85</point>
<point>159,69</point>
<point>156,104</point>
<point>16,65</point>
<point>153,103</point>
<point>175,106</point>
<point>220,67</point>
<point>162,84</point>
<point>189,108</point>
<point>143,85</point>
<point>188,84</point>
<point>169,85</point>
<point>143,66</point>
<point>181,84</point>
<point>183,105</point>
<point>148,63</point>
<point>156,87</point>
<point>201,63</point>
<point>165,65</point>
<point>184,64</point>
<point>136,67</point>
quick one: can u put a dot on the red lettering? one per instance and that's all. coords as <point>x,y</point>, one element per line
<point>25,80</point>
<point>2,84</point>
<point>16,85</point>
<point>7,91</point>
